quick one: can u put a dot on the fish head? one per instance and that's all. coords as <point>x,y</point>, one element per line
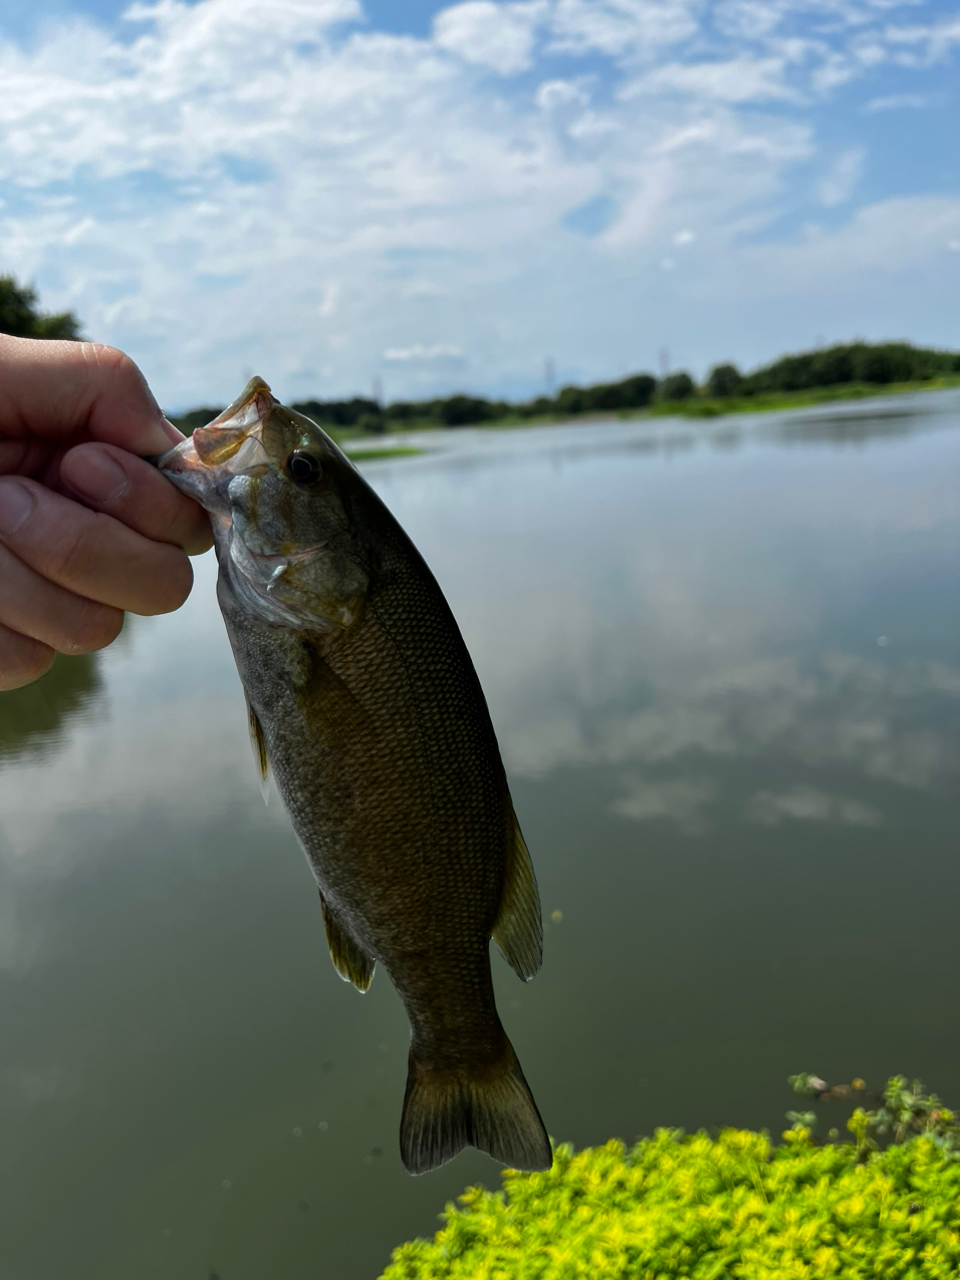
<point>275,486</point>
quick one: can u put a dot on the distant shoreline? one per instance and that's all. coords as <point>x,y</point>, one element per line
<point>695,408</point>
<point>715,407</point>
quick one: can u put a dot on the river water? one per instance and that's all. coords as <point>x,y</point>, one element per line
<point>723,660</point>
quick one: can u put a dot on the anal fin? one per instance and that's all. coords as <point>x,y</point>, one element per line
<point>349,959</point>
<point>518,931</point>
<point>259,744</point>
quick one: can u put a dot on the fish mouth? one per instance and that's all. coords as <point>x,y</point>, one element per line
<point>252,405</point>
<point>204,463</point>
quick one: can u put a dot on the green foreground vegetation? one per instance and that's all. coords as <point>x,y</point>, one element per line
<point>842,372</point>
<point>678,1207</point>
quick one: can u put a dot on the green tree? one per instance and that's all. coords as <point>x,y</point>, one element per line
<point>678,386</point>
<point>342,413</point>
<point>20,317</point>
<point>630,393</point>
<point>724,380</point>
<point>461,411</point>
<point>404,411</point>
<point>572,400</point>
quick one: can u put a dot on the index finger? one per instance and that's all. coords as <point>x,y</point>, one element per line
<point>53,390</point>
<point>115,482</point>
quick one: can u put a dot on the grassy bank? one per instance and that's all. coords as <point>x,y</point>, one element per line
<point>378,454</point>
<point>677,1207</point>
<point>771,401</point>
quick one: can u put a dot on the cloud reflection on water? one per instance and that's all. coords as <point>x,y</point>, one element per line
<point>633,606</point>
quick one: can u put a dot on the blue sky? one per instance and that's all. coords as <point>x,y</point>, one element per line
<point>441,197</point>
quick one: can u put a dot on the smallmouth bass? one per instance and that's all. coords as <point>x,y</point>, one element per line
<point>363,701</point>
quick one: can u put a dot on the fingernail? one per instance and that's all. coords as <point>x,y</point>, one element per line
<point>96,476</point>
<point>175,435</point>
<point>16,503</point>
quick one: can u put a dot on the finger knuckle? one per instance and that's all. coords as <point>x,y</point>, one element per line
<point>107,357</point>
<point>74,554</point>
<point>119,367</point>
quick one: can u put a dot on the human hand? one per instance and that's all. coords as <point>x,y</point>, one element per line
<point>88,530</point>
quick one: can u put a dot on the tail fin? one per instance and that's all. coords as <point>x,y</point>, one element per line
<point>493,1109</point>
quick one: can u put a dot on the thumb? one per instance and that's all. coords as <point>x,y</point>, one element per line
<point>54,390</point>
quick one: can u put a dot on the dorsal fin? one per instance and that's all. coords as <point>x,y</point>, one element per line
<point>259,744</point>
<point>518,931</point>
<point>349,959</point>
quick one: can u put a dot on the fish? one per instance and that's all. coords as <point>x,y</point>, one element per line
<point>364,703</point>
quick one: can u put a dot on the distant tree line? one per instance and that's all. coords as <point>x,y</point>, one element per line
<point>461,410</point>
<point>876,364</point>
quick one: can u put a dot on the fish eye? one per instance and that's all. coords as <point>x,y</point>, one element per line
<point>304,468</point>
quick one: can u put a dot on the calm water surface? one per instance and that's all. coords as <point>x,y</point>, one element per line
<point>723,660</point>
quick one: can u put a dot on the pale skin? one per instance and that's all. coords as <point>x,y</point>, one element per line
<point>88,529</point>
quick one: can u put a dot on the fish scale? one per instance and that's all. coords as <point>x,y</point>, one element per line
<point>366,705</point>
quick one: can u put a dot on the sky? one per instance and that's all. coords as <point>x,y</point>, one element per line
<point>421,198</point>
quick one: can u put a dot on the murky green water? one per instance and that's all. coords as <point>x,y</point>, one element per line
<point>724,663</point>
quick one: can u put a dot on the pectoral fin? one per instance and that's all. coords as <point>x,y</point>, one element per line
<point>259,744</point>
<point>349,959</point>
<point>518,931</point>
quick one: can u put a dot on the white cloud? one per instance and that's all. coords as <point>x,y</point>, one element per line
<point>897,102</point>
<point>742,80</point>
<point>839,184</point>
<point>439,351</point>
<point>835,70</point>
<point>891,238</point>
<point>620,28</point>
<point>807,804</point>
<point>749,19</point>
<point>500,36</point>
<point>375,192</point>
<point>677,800</point>
<point>557,94</point>
<point>330,296</point>
<point>933,42</point>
